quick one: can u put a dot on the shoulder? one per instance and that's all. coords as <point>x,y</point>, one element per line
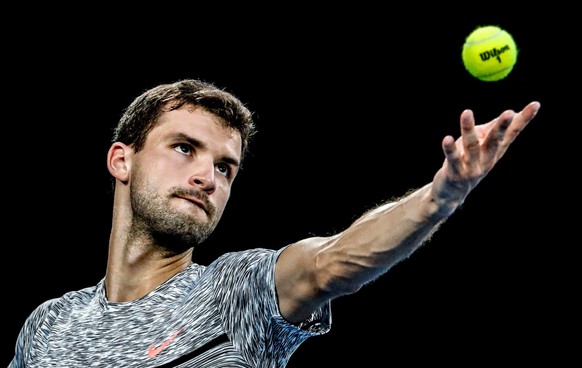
<point>66,301</point>
<point>49,310</point>
<point>250,266</point>
<point>246,259</point>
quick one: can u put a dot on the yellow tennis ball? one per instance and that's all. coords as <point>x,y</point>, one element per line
<point>489,53</point>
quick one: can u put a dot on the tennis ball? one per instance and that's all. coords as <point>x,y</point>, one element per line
<point>489,53</point>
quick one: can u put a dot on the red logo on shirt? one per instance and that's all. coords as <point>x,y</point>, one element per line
<point>152,351</point>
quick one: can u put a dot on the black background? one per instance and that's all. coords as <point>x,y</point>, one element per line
<point>351,105</point>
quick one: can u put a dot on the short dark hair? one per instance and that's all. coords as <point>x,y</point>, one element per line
<point>141,116</point>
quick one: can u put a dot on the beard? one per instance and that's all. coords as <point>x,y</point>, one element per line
<point>171,229</point>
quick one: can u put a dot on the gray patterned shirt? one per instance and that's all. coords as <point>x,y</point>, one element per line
<point>221,315</point>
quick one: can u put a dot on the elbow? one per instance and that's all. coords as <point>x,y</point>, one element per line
<point>340,274</point>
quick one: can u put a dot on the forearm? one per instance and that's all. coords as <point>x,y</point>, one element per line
<point>382,237</point>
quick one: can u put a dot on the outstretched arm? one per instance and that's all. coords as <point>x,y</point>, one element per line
<point>315,270</point>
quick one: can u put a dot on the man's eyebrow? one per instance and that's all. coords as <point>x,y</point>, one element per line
<point>191,140</point>
<point>198,144</point>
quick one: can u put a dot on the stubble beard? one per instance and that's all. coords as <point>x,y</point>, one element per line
<point>175,231</point>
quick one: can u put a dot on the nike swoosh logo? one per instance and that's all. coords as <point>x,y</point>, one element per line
<point>153,351</point>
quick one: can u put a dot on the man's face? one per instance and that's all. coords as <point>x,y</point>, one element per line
<point>181,180</point>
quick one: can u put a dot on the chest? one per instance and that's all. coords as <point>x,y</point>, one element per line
<point>87,336</point>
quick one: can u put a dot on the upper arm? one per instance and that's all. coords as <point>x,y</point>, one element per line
<point>301,280</point>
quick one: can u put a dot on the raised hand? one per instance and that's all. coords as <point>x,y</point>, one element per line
<point>471,157</point>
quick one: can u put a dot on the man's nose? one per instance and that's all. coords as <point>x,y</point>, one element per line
<point>204,175</point>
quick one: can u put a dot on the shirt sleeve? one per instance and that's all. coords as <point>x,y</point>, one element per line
<point>245,290</point>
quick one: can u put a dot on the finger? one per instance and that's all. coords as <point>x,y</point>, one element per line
<point>493,148</point>
<point>470,139</point>
<point>508,126</point>
<point>520,121</point>
<point>452,155</point>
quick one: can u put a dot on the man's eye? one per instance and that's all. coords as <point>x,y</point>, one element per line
<point>223,169</point>
<point>183,148</point>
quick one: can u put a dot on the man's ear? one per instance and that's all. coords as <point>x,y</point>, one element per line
<point>119,161</point>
